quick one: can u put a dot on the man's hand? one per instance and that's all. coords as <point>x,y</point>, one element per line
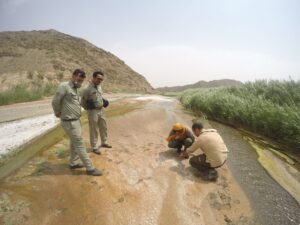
<point>184,154</point>
<point>105,103</point>
<point>57,114</point>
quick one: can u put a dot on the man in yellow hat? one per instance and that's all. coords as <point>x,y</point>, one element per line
<point>179,137</point>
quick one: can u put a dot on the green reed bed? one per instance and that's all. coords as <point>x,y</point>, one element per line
<point>270,108</point>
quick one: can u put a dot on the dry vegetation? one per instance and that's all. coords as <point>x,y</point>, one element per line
<point>50,56</point>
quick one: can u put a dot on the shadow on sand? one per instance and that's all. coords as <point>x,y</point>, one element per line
<point>48,168</point>
<point>182,168</point>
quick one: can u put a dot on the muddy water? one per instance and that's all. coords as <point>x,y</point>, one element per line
<point>144,182</point>
<point>272,204</point>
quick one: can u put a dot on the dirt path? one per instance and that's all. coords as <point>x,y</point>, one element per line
<point>144,181</point>
<point>37,108</point>
<point>24,110</point>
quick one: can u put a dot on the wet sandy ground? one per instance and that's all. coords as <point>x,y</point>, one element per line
<point>144,182</point>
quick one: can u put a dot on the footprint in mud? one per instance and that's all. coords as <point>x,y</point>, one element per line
<point>241,220</point>
<point>197,214</point>
<point>126,150</point>
<point>59,211</point>
<point>222,181</point>
<point>213,201</point>
<point>118,162</point>
<point>96,184</point>
<point>226,200</point>
<point>220,200</point>
<point>146,149</point>
<point>140,180</point>
<point>120,199</point>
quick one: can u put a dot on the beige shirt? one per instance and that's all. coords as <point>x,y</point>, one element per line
<point>66,101</point>
<point>92,93</point>
<point>212,145</point>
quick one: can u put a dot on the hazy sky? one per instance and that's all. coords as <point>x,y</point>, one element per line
<point>177,42</point>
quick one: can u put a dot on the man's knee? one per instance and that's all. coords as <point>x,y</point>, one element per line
<point>171,144</point>
<point>188,142</point>
<point>77,140</point>
<point>174,144</point>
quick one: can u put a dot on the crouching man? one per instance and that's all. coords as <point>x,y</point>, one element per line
<point>179,137</point>
<point>214,151</point>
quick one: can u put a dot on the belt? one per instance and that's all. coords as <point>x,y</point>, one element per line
<point>221,164</point>
<point>69,119</point>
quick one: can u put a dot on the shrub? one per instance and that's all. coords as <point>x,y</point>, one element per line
<point>22,93</point>
<point>270,108</point>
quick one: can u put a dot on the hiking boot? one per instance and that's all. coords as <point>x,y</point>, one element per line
<point>76,166</point>
<point>94,172</point>
<point>106,145</point>
<point>96,151</point>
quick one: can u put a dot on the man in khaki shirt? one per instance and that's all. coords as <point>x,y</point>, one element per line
<point>66,106</point>
<point>214,151</point>
<point>93,102</point>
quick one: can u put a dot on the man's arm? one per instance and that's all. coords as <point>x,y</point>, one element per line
<point>171,136</point>
<point>194,147</point>
<point>186,152</point>
<point>84,98</point>
<point>57,99</point>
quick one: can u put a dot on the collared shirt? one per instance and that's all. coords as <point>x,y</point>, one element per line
<point>66,101</point>
<point>93,93</point>
<point>212,145</point>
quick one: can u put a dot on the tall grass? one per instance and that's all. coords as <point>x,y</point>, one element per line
<point>22,93</point>
<point>270,108</point>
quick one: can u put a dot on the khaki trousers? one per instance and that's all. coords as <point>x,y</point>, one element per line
<point>97,122</point>
<point>77,149</point>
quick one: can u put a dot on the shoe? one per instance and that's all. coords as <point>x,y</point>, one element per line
<point>178,150</point>
<point>76,166</point>
<point>96,151</point>
<point>94,172</point>
<point>106,145</point>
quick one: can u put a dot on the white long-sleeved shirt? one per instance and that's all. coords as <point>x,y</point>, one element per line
<point>212,145</point>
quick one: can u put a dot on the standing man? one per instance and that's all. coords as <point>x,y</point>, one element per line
<point>214,151</point>
<point>180,136</point>
<point>93,102</point>
<point>66,106</point>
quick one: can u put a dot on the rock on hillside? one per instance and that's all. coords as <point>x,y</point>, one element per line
<point>50,56</point>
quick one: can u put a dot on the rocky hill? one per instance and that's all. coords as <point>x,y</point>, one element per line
<point>50,56</point>
<point>201,84</point>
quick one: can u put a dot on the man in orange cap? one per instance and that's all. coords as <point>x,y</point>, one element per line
<point>180,136</point>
